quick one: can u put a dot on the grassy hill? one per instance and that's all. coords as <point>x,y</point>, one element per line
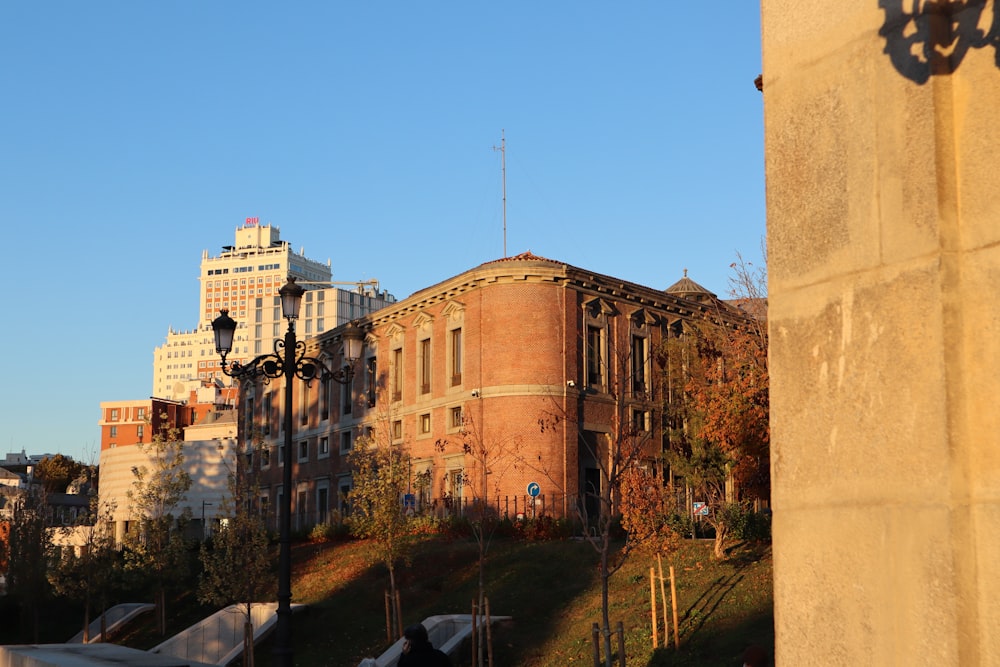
<point>549,588</point>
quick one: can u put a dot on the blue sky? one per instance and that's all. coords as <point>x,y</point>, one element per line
<point>135,135</point>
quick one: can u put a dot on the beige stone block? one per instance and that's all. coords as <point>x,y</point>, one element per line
<point>987,568</point>
<point>977,427</point>
<point>884,265</point>
<point>857,403</point>
<point>799,38</point>
<point>976,89</point>
<point>848,189</point>
<point>867,585</point>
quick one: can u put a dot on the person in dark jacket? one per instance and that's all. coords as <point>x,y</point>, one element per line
<point>418,651</point>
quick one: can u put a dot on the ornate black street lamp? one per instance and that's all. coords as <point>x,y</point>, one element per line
<point>288,361</point>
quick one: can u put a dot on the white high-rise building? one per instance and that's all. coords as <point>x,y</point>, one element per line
<point>244,279</point>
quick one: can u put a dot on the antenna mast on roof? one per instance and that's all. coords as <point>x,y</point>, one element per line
<point>503,172</point>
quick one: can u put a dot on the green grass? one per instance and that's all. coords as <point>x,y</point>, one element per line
<point>550,589</point>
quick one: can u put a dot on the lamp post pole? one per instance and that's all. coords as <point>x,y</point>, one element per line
<point>283,629</point>
<point>287,362</point>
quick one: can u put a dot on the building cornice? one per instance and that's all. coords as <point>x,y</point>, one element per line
<point>531,269</point>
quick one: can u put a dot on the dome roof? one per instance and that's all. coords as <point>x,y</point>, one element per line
<point>689,289</point>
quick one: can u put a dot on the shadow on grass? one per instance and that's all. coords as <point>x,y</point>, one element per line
<point>715,629</point>
<point>723,648</point>
<point>348,624</point>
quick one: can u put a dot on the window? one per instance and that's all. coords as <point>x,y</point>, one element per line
<point>425,366</point>
<point>397,429</point>
<point>344,487</point>
<point>303,403</point>
<point>639,363</point>
<point>281,455</point>
<point>324,446</point>
<point>304,450</point>
<point>345,442</point>
<point>347,394</point>
<point>114,432</point>
<point>455,479</point>
<point>397,374</point>
<point>265,457</point>
<point>322,502</point>
<point>456,417</point>
<point>640,420</point>
<point>140,414</point>
<point>372,382</point>
<point>263,504</point>
<point>265,416</point>
<point>248,419</point>
<point>425,423</point>
<point>595,344</point>
<point>455,354</point>
<point>301,507</point>
<point>114,414</point>
<point>140,431</point>
<point>325,393</point>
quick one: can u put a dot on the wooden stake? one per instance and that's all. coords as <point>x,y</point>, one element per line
<point>663,596</point>
<point>475,636</point>
<point>399,616</point>
<point>621,644</point>
<point>489,634</point>
<point>388,618</point>
<point>652,604</point>
<point>673,599</point>
<point>595,633</point>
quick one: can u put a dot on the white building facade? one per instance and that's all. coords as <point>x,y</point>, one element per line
<point>244,279</point>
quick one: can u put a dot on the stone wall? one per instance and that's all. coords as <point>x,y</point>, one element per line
<point>884,263</point>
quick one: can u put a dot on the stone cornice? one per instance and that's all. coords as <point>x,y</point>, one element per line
<point>529,268</point>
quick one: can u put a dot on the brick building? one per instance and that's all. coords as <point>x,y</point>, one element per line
<point>206,422</point>
<point>537,361</point>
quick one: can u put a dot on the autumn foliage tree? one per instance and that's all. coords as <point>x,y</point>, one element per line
<point>646,509</point>
<point>380,472</point>
<point>619,456</point>
<point>155,546</point>
<point>236,567</point>
<point>717,404</point>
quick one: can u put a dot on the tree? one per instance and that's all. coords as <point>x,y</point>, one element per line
<point>380,472</point>
<point>618,455</point>
<point>92,575</point>
<point>646,509</point>
<point>236,564</point>
<point>29,553</point>
<point>716,404</point>
<point>490,458</point>
<point>155,547</point>
<point>57,472</point>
